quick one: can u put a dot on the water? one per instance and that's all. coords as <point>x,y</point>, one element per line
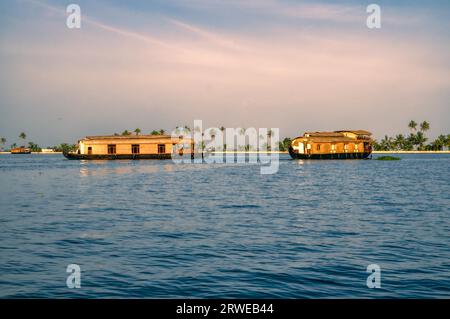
<point>153,229</point>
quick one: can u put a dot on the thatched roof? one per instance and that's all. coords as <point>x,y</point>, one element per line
<point>328,139</point>
<point>358,132</point>
<point>339,133</point>
<point>323,134</point>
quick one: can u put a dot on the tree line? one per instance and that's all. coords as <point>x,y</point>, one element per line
<point>415,140</point>
<point>22,136</point>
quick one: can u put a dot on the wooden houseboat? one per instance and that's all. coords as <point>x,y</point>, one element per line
<point>20,150</point>
<point>347,144</point>
<point>129,147</point>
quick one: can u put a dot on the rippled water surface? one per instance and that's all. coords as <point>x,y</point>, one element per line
<point>157,229</point>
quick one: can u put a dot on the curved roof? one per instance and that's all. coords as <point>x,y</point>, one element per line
<point>358,132</point>
<point>335,136</point>
<point>127,137</point>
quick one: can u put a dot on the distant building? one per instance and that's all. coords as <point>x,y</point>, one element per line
<point>47,150</point>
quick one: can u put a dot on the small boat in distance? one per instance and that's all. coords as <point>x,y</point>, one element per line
<point>20,150</point>
<point>112,147</point>
<point>346,144</point>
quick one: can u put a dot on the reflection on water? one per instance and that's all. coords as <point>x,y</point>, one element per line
<point>159,229</point>
<point>94,171</point>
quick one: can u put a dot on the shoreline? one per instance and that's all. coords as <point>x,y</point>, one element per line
<point>410,152</point>
<point>279,152</point>
<point>43,153</point>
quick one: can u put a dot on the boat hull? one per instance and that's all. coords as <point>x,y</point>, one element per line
<point>332,156</point>
<point>25,152</point>
<point>73,156</point>
<point>21,150</point>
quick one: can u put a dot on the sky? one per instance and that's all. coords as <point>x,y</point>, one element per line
<point>294,65</point>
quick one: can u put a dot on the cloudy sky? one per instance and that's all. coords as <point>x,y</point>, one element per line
<point>295,65</point>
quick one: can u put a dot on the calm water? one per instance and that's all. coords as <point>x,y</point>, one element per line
<point>156,229</point>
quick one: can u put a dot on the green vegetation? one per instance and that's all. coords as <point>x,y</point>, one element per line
<point>34,147</point>
<point>416,140</point>
<point>126,133</point>
<point>2,141</point>
<point>65,148</point>
<point>284,145</point>
<point>387,158</point>
<point>23,137</point>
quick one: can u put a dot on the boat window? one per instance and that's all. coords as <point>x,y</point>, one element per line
<point>318,147</point>
<point>111,148</point>
<point>90,150</point>
<point>161,148</point>
<point>135,149</point>
<point>345,146</point>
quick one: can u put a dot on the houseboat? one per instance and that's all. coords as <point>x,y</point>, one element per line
<point>20,150</point>
<point>347,144</point>
<point>114,147</point>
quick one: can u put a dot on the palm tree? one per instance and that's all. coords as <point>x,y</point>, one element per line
<point>269,140</point>
<point>446,142</point>
<point>420,140</point>
<point>412,125</point>
<point>439,143</point>
<point>23,136</point>
<point>2,141</point>
<point>386,143</point>
<point>162,131</point>
<point>126,132</point>
<point>399,142</point>
<point>424,126</point>
<point>411,141</point>
<point>285,144</point>
<point>154,132</point>
<point>137,131</point>
<point>34,147</point>
<point>222,129</point>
